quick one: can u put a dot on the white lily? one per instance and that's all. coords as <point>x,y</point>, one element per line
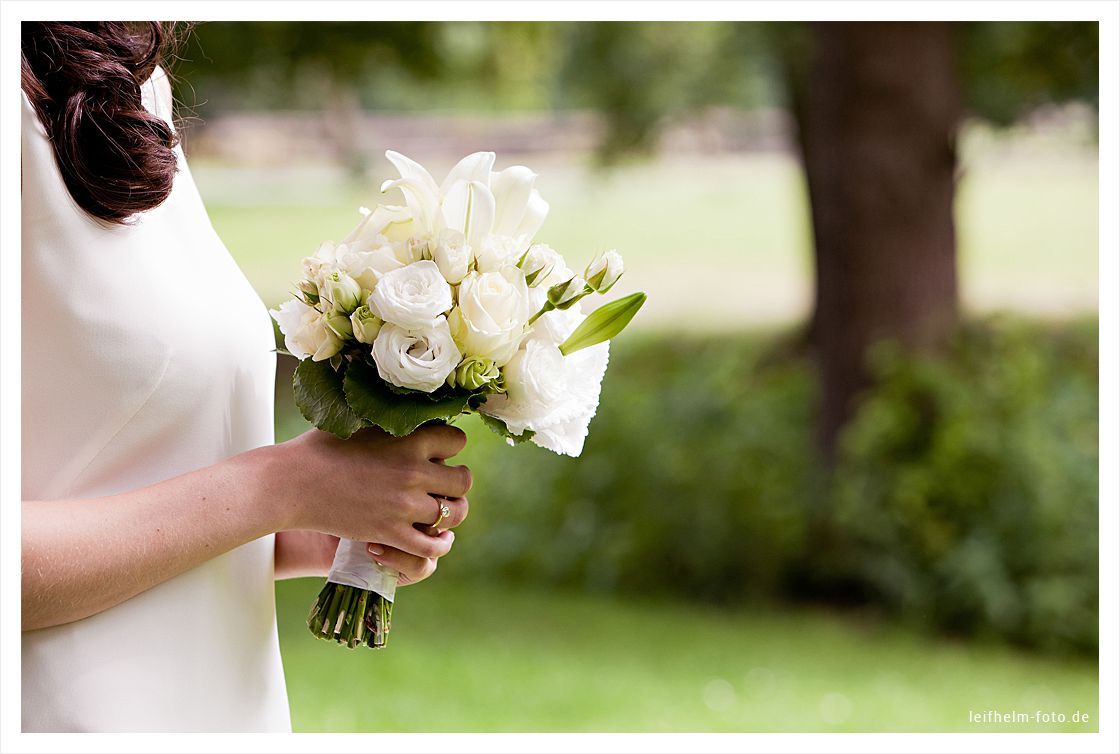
<point>468,207</point>
<point>421,193</point>
<point>386,222</point>
<point>473,199</point>
<point>462,203</point>
<point>520,209</point>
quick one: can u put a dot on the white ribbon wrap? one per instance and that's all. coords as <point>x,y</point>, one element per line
<point>353,566</point>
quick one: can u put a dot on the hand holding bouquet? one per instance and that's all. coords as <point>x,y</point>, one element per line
<point>434,309</point>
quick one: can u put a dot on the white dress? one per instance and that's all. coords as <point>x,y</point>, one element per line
<point>146,354</point>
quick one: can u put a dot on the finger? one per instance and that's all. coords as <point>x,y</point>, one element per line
<point>431,568</point>
<point>457,508</point>
<point>411,567</point>
<point>443,441</point>
<point>448,481</point>
<point>423,545</point>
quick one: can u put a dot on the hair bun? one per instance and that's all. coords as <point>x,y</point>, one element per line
<point>84,79</point>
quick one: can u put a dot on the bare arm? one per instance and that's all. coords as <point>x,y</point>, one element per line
<point>83,556</point>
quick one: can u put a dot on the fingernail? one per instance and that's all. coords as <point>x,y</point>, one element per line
<point>376,550</point>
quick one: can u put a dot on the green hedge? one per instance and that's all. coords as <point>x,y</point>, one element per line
<point>968,490</point>
<point>695,478</point>
<point>964,497</point>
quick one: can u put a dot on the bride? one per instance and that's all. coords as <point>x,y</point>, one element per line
<point>156,509</point>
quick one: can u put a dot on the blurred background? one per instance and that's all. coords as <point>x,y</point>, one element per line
<point>844,474</point>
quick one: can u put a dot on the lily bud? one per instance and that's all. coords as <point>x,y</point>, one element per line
<point>604,323</point>
<point>365,324</point>
<point>604,271</point>
<point>473,373</point>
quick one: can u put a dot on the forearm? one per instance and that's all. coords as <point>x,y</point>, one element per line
<point>84,556</point>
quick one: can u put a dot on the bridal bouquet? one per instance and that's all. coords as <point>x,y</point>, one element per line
<point>442,307</point>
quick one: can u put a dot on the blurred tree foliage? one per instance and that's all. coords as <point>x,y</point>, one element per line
<point>286,65</point>
<point>637,73</point>
<point>1008,69</point>
<point>641,76</point>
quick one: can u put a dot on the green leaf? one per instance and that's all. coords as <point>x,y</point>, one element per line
<point>321,400</point>
<point>499,428</point>
<point>604,323</point>
<point>396,413</point>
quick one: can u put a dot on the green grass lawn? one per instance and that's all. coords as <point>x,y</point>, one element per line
<point>716,241</point>
<point>505,659</point>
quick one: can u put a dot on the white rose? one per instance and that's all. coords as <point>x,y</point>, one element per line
<point>309,291</point>
<point>604,271</point>
<point>339,323</point>
<point>543,266</point>
<point>452,255</point>
<point>550,394</point>
<point>413,297</point>
<point>365,325</point>
<point>365,260</point>
<point>369,265</point>
<point>321,262</point>
<point>416,359</point>
<point>305,331</point>
<point>493,310</point>
<point>339,291</point>
<point>496,252</point>
<point>555,326</point>
<point>563,295</point>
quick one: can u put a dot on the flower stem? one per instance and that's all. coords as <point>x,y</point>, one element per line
<point>350,616</point>
<point>544,310</point>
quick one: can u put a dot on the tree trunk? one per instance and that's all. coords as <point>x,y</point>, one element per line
<point>878,119</point>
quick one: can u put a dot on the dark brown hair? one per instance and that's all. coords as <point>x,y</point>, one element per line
<point>83,80</point>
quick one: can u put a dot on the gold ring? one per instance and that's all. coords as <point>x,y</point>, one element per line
<point>444,512</point>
